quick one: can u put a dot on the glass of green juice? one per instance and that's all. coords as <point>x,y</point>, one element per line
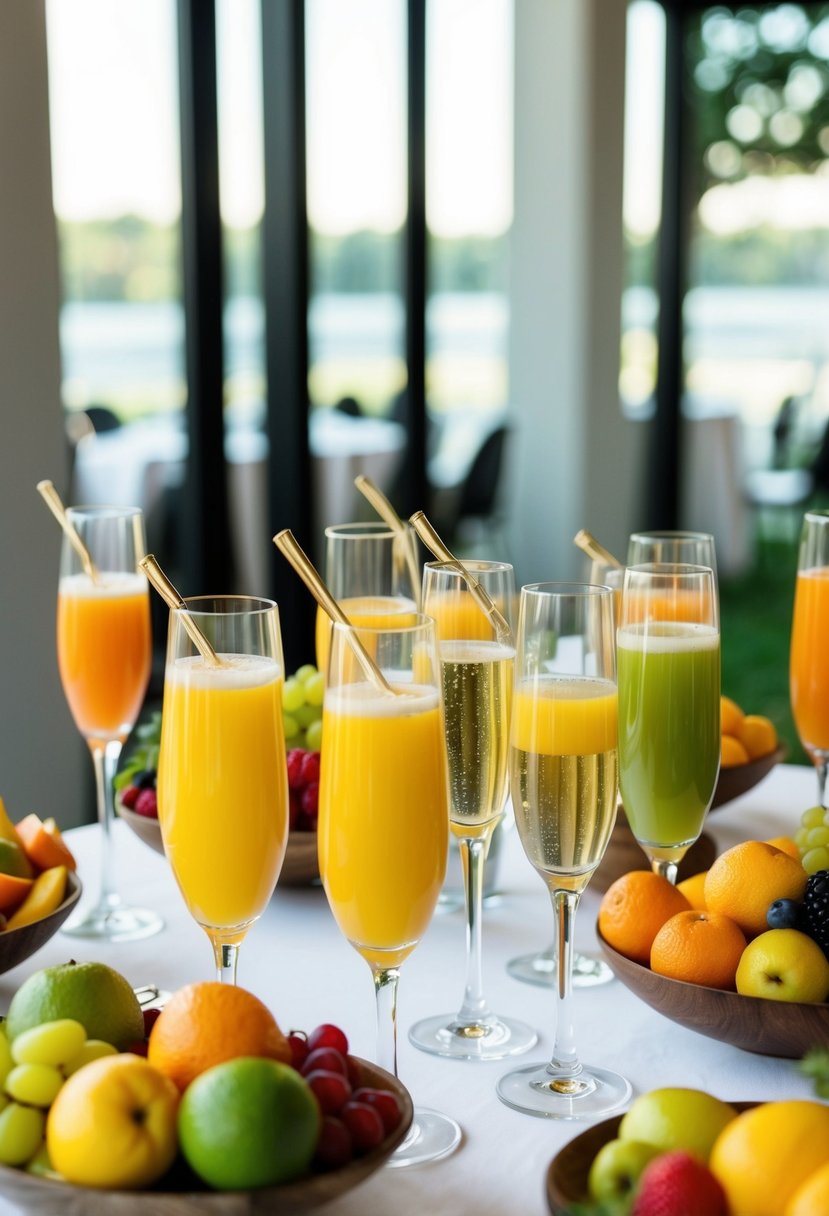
<point>668,660</point>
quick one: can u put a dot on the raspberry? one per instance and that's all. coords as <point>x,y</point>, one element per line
<point>816,909</point>
<point>129,796</point>
<point>294,761</point>
<point>677,1184</point>
<point>146,804</point>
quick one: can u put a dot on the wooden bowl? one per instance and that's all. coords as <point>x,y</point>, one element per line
<point>624,853</point>
<point>769,1028</point>
<point>183,1198</point>
<point>568,1170</point>
<point>16,945</point>
<point>732,782</point>
<point>146,829</point>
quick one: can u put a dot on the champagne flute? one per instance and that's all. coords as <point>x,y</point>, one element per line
<point>477,673</point>
<point>668,653</point>
<point>563,768</point>
<point>384,823</point>
<point>104,656</point>
<point>691,548</point>
<point>809,657</point>
<point>222,777</point>
<point>372,570</point>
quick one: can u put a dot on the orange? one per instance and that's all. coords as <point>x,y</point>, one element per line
<point>730,716</point>
<point>208,1023</point>
<point>633,910</point>
<point>786,845</point>
<point>693,890</point>
<point>757,735</point>
<point>699,948</point>
<point>812,1195</point>
<point>763,1156</point>
<point>745,880</point>
<point>732,752</point>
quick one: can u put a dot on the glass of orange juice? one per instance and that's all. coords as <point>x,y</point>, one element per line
<point>373,571</point>
<point>104,658</point>
<point>383,829</point>
<point>809,655</point>
<point>222,777</point>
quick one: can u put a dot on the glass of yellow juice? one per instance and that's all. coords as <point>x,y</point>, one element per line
<point>384,821</point>
<point>563,778</point>
<point>104,649</point>
<point>222,777</point>
<point>809,655</point>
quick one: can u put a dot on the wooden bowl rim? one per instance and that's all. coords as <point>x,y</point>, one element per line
<point>73,894</point>
<point>752,773</point>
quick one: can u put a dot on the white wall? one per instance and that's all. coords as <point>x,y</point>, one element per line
<point>43,763</point>
<point>575,461</point>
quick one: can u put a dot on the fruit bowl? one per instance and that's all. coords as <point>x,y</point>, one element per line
<point>732,782</point>
<point>767,1027</point>
<point>16,945</point>
<point>145,828</point>
<point>568,1170</point>
<point>183,1198</point>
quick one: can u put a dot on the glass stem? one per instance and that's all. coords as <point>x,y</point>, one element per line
<point>565,1061</point>
<point>226,955</point>
<point>385,992</point>
<point>473,858</point>
<point>821,767</point>
<point>665,869</point>
<point>105,760</point>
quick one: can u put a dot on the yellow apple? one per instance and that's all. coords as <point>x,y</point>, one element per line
<point>114,1124</point>
<point>784,965</point>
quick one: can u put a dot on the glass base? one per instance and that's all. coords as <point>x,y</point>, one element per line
<point>535,1090</point>
<point>116,923</point>
<point>540,969</point>
<point>430,1137</point>
<point>491,1038</point>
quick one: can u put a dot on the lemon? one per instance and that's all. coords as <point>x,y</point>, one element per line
<point>95,995</point>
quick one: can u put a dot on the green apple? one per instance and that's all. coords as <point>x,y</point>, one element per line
<point>13,860</point>
<point>686,1119</point>
<point>617,1166</point>
<point>784,965</point>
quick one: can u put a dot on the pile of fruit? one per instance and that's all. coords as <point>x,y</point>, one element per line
<point>97,1093</point>
<point>302,696</point>
<point>684,1152</point>
<point>755,922</point>
<point>34,866</point>
<point>745,737</point>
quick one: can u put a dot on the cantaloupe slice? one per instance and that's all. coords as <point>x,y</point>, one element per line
<point>46,894</point>
<point>43,843</point>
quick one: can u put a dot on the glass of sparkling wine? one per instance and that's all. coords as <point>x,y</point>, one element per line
<point>383,829</point>
<point>372,570</point>
<point>668,655</point>
<point>104,656</point>
<point>563,770</point>
<point>691,548</point>
<point>222,778</point>
<point>809,656</point>
<point>477,671</point>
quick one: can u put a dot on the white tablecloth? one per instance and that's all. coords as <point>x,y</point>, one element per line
<point>296,960</point>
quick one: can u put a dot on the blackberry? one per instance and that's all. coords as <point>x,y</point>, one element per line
<point>816,909</point>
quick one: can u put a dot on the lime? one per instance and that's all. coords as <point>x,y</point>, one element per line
<point>248,1122</point>
<point>95,995</point>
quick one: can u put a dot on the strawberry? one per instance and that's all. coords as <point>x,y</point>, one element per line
<point>678,1184</point>
<point>146,804</point>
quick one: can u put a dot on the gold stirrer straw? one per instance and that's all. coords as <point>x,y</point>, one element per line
<point>172,599</point>
<point>588,544</point>
<point>434,543</point>
<point>50,496</point>
<point>386,511</point>
<point>289,547</point>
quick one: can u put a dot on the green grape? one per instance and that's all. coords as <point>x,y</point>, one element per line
<point>315,689</point>
<point>815,859</point>
<point>92,1049</point>
<point>313,736</point>
<point>290,726</point>
<point>817,837</point>
<point>305,673</point>
<point>800,838</point>
<point>813,818</point>
<point>306,715</point>
<point>293,695</point>
<point>41,1164</point>
<point>35,1084</point>
<point>6,1061</point>
<point>52,1043</point>
<point>21,1133</point>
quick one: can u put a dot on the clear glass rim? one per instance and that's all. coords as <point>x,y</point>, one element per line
<point>473,564</point>
<point>585,590</point>
<point>422,621</point>
<point>102,511</point>
<point>671,534</point>
<point>820,516</point>
<point>249,605</point>
<point>359,531</point>
<point>670,569</point>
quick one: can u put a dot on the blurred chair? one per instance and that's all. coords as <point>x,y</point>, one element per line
<point>470,516</point>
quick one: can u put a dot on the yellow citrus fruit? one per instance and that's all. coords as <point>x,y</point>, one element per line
<point>786,845</point>
<point>745,880</point>
<point>758,735</point>
<point>633,910</point>
<point>209,1023</point>
<point>763,1156</point>
<point>693,889</point>
<point>811,1196</point>
<point>699,948</point>
<point>732,752</point>
<point>730,716</point>
<point>113,1124</point>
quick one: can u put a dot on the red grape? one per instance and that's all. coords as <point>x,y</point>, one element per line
<point>294,761</point>
<point>298,1044</point>
<point>330,1089</point>
<point>328,1035</point>
<point>384,1102</point>
<point>327,1058</point>
<point>310,768</point>
<point>294,809</point>
<point>310,799</point>
<point>365,1125</point>
<point>334,1147</point>
<point>151,1016</point>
